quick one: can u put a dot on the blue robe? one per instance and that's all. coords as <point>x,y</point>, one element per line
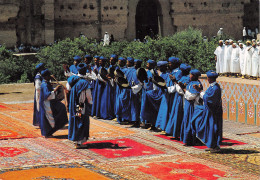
<point>78,126</point>
<point>108,100</point>
<point>148,86</point>
<point>186,130</point>
<point>135,99</point>
<point>36,113</point>
<point>175,119</point>
<point>151,103</point>
<point>123,104</point>
<point>207,120</point>
<point>73,69</point>
<point>93,84</point>
<point>167,101</point>
<point>97,94</point>
<point>58,110</point>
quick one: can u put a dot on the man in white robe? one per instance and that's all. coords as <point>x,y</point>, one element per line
<point>247,60</point>
<point>219,57</point>
<point>242,57</point>
<point>255,61</point>
<point>235,65</point>
<point>227,58</point>
<point>106,39</point>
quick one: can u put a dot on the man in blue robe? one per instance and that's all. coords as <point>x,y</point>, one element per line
<point>175,119</point>
<point>134,95</point>
<point>167,98</point>
<point>152,101</point>
<point>123,105</point>
<point>80,100</point>
<point>108,97</point>
<point>98,90</point>
<point>37,84</point>
<point>148,85</point>
<point>73,68</point>
<point>138,63</point>
<point>94,69</point>
<point>191,97</point>
<point>53,114</point>
<point>207,120</point>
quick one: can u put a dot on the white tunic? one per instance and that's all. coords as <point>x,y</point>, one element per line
<point>219,52</point>
<point>235,65</point>
<point>106,39</point>
<point>255,62</point>
<point>248,61</point>
<point>242,59</point>
<point>227,59</point>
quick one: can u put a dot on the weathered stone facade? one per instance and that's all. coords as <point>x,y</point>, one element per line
<point>39,22</point>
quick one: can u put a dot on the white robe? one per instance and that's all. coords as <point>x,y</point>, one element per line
<point>235,65</point>
<point>248,61</point>
<point>242,59</point>
<point>106,40</point>
<point>227,59</point>
<point>255,62</point>
<point>219,52</point>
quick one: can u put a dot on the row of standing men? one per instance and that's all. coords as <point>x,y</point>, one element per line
<point>170,99</point>
<point>234,59</point>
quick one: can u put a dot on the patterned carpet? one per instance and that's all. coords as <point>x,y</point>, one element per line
<point>69,171</point>
<point>115,152</point>
<point>15,122</point>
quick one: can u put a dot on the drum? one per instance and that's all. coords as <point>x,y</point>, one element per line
<point>141,74</point>
<point>119,73</point>
<point>159,81</point>
<point>111,73</point>
<point>103,73</point>
<point>60,93</point>
<point>122,82</point>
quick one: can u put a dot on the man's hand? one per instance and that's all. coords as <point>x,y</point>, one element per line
<point>197,87</point>
<point>56,88</point>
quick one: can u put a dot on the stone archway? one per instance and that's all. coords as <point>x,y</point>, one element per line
<point>165,23</point>
<point>147,18</point>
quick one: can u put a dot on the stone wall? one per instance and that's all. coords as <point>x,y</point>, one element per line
<point>39,22</point>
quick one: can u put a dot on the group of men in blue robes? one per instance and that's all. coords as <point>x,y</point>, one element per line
<point>169,100</point>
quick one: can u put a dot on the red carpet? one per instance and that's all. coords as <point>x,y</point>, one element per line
<point>121,148</point>
<point>11,151</point>
<point>181,170</point>
<point>225,142</point>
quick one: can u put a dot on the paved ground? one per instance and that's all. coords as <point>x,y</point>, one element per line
<point>115,151</point>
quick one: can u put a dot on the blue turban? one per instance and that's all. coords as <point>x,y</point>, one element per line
<point>102,58</point>
<point>122,59</point>
<point>97,57</point>
<point>174,59</point>
<point>150,61</point>
<point>113,56</point>
<point>161,63</point>
<point>39,65</point>
<point>195,72</point>
<point>87,56</point>
<point>138,60</point>
<point>185,67</point>
<point>130,59</point>
<point>77,58</point>
<point>45,72</point>
<point>81,66</point>
<point>212,74</point>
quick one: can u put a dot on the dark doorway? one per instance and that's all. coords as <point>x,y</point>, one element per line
<point>146,19</point>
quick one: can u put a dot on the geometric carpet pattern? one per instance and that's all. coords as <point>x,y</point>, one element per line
<point>115,151</point>
<point>15,122</point>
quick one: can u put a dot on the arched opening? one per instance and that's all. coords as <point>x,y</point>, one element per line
<point>147,18</point>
